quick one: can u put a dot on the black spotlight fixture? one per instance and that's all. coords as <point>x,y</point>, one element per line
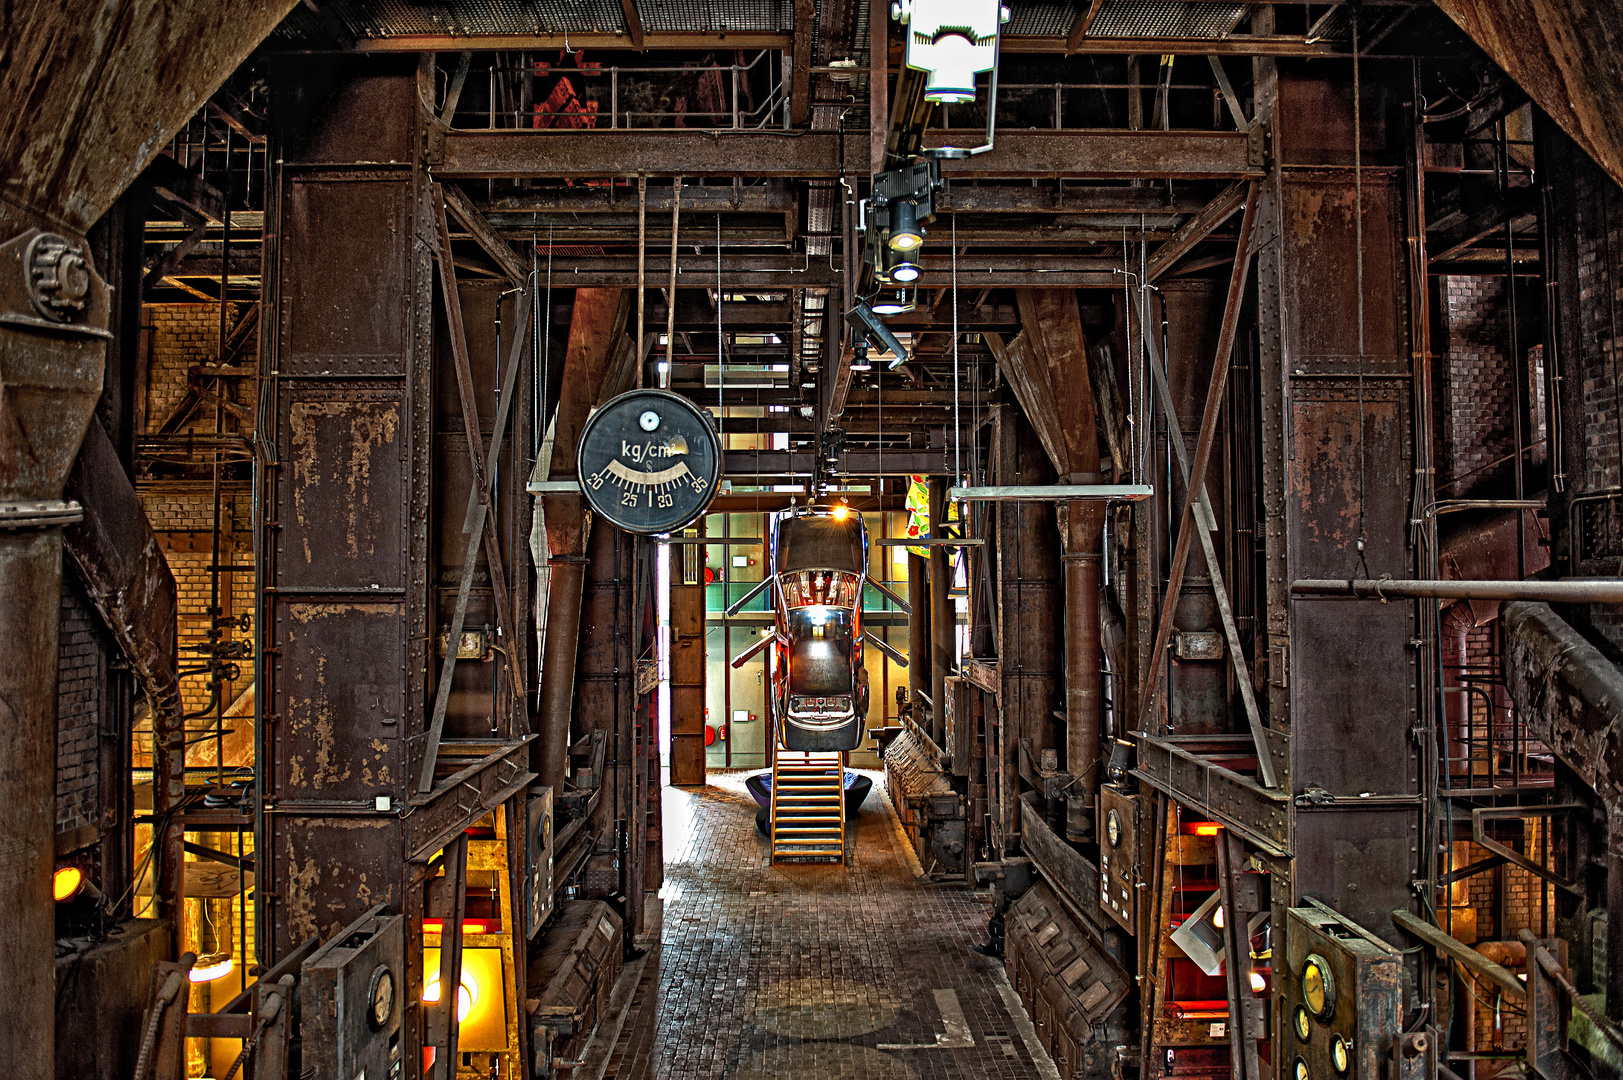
<point>866,323</point>
<point>894,301</point>
<point>905,232</point>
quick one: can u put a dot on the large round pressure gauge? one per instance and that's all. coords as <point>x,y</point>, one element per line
<point>649,461</point>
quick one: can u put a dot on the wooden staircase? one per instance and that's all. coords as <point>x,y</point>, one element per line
<point>808,806</point>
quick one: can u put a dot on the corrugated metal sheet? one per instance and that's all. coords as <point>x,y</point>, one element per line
<point>1166,18</point>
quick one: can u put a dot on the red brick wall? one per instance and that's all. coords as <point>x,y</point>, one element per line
<point>81,682</point>
<point>1477,388</point>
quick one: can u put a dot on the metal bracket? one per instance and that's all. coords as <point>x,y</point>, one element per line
<point>1486,813</point>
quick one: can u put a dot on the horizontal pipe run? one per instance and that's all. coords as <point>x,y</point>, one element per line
<point>1568,591</point>
<point>1054,493</point>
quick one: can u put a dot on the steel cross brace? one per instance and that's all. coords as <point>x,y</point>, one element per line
<point>1204,523</point>
<point>479,497</point>
<point>1203,455</point>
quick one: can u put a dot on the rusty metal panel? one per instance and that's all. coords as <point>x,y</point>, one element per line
<point>1359,856</point>
<point>340,701</point>
<point>343,520</point>
<point>1356,671</point>
<point>1332,469</point>
<point>1064,973</point>
<point>342,311</point>
<point>330,871</point>
<point>347,110</point>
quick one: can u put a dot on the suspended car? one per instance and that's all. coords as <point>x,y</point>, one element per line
<point>819,560</point>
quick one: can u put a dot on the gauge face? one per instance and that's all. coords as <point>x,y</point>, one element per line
<point>649,462</point>
<point>1113,828</point>
<point>1301,1071</point>
<point>1340,1054</point>
<point>1318,988</point>
<point>1304,1024</point>
<point>382,998</point>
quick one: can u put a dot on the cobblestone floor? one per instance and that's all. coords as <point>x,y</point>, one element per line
<point>809,971</point>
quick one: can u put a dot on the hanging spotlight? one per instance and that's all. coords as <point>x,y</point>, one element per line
<point>868,327</point>
<point>893,302</point>
<point>904,270</point>
<point>905,234</point>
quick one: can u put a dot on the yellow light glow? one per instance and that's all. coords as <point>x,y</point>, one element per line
<point>841,512</point>
<point>1207,828</point>
<point>1258,983</point>
<point>465,997</point>
<point>211,966</point>
<point>905,241</point>
<point>65,883</point>
<point>1219,918</point>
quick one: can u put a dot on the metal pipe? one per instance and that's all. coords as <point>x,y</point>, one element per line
<point>1551,966</point>
<point>942,614</point>
<point>560,651</point>
<point>1567,591</point>
<point>670,292</point>
<point>1081,524</point>
<point>49,382</point>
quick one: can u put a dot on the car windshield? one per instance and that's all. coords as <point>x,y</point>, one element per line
<point>820,649</point>
<point>821,543</point>
<point>819,588</point>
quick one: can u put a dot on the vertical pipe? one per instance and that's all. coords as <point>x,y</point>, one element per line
<point>943,616</point>
<point>1081,527</point>
<point>559,652</point>
<point>670,292</point>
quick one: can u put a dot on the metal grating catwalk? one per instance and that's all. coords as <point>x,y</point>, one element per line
<point>671,16</point>
<point>1166,19</point>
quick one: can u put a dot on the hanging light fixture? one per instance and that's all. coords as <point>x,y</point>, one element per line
<point>893,302</point>
<point>905,233</point>
<point>952,40</point>
<point>904,270</point>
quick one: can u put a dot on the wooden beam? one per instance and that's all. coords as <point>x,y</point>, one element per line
<point>599,39</point>
<point>1196,229</point>
<point>494,246</point>
<point>1083,23</point>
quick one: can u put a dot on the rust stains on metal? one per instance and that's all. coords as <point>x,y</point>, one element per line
<point>371,426</point>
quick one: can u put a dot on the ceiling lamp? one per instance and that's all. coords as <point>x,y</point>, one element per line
<point>905,234</point>
<point>868,328</point>
<point>953,41</point>
<point>893,302</point>
<point>904,270</point>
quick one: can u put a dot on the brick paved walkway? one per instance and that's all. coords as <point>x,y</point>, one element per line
<point>810,971</point>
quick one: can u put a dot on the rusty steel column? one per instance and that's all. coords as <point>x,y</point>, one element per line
<point>942,614</point>
<point>52,350</point>
<point>1081,529</point>
<point>918,627</point>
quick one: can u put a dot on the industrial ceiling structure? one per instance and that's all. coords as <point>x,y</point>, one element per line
<point>1247,371</point>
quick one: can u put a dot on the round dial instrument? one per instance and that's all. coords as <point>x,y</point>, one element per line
<point>649,462</point>
<point>1318,987</point>
<point>1113,828</point>
<point>380,998</point>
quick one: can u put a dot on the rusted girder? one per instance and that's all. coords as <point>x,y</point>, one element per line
<point>1093,153</point>
<point>1198,228</point>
